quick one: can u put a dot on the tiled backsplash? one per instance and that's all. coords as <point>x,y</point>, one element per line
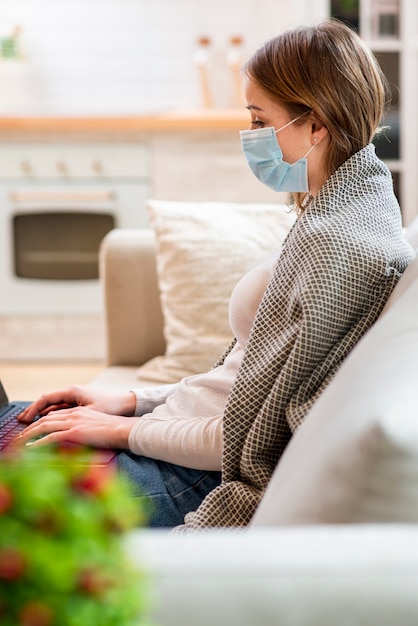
<point>129,56</point>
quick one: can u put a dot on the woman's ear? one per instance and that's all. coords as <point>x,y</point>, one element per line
<point>319,131</point>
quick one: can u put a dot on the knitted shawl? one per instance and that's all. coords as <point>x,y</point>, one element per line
<point>337,267</point>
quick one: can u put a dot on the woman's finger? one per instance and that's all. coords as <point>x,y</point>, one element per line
<point>48,402</point>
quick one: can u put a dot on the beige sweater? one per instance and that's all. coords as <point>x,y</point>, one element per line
<point>182,423</point>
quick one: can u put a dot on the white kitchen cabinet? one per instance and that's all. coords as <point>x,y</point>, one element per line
<point>41,319</point>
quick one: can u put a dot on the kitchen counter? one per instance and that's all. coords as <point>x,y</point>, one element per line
<point>205,120</point>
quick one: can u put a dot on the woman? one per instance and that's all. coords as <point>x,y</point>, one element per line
<point>316,97</point>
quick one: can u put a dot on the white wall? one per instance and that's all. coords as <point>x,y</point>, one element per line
<point>129,56</point>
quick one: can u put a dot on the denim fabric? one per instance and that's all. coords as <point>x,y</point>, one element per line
<point>166,491</point>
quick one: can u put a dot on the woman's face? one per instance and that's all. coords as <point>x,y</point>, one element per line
<point>294,140</point>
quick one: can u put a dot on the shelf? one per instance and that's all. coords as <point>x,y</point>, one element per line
<point>212,120</point>
<point>382,44</point>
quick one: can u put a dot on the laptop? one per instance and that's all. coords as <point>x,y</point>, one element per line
<point>9,424</point>
<point>10,427</point>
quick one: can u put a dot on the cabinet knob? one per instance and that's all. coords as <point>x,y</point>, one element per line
<point>97,167</point>
<point>62,167</point>
<point>26,167</point>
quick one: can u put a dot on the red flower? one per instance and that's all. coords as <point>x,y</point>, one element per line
<point>36,614</point>
<point>6,498</point>
<point>94,480</point>
<point>92,582</point>
<point>12,563</point>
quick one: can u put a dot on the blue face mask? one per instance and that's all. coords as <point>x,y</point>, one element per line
<point>265,159</point>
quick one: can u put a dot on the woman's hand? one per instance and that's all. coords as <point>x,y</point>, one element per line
<point>111,403</point>
<point>80,415</point>
<point>80,425</point>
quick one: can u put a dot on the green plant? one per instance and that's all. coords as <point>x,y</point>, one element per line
<point>62,561</point>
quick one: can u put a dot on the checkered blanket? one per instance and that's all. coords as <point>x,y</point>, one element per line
<point>337,268</point>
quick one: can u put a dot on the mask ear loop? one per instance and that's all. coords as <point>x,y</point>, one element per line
<point>310,150</point>
<point>292,121</point>
<point>308,198</point>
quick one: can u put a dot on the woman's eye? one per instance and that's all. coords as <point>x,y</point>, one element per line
<point>257,124</point>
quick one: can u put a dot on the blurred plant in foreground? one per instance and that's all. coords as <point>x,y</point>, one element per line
<point>62,525</point>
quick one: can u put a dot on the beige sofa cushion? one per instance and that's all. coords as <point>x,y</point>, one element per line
<point>203,249</point>
<point>355,457</point>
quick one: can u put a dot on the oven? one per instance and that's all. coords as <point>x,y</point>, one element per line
<point>57,201</point>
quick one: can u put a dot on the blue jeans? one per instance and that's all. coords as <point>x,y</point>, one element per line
<point>166,491</point>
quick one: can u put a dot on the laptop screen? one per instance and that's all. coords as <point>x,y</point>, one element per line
<point>4,400</point>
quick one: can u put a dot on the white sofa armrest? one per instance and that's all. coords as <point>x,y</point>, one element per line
<point>133,316</point>
<point>300,576</point>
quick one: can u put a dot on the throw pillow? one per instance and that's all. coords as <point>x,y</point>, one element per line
<point>203,249</point>
<point>355,457</point>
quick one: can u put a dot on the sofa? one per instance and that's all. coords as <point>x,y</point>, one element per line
<point>335,538</point>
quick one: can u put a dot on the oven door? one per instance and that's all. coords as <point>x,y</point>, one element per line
<point>51,239</point>
<point>57,235</point>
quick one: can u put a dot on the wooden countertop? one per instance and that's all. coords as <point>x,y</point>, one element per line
<point>205,120</point>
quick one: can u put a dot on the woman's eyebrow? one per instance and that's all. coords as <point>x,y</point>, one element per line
<point>253,107</point>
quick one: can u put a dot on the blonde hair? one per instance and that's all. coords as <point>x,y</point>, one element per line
<point>327,69</point>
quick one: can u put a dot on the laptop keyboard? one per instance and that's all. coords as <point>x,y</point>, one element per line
<point>10,427</point>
